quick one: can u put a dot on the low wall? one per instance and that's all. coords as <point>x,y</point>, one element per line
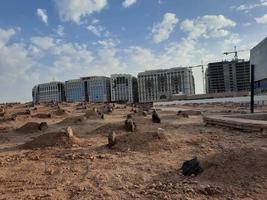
<point>246,122</point>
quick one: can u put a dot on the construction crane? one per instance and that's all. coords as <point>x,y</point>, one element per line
<point>203,73</point>
<point>234,52</point>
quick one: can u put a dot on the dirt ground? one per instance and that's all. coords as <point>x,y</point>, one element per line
<point>44,164</point>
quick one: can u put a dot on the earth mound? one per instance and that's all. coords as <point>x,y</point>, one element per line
<point>90,114</point>
<point>42,115</point>
<point>142,142</point>
<point>117,127</point>
<point>60,112</point>
<point>72,120</point>
<point>243,167</point>
<point>29,127</point>
<point>54,139</point>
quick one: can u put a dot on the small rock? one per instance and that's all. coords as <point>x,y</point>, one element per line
<point>50,171</point>
<point>130,125</point>
<point>92,158</point>
<point>69,132</point>
<point>144,113</point>
<point>101,156</point>
<point>111,139</point>
<point>43,126</point>
<point>159,134</point>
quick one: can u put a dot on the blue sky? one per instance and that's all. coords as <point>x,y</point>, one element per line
<point>49,40</point>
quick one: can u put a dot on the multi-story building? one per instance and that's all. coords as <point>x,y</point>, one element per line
<point>124,88</point>
<point>75,91</point>
<point>258,57</point>
<point>158,85</point>
<point>49,92</point>
<point>35,94</point>
<point>228,76</point>
<point>97,89</point>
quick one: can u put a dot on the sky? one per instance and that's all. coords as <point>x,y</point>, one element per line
<point>46,40</point>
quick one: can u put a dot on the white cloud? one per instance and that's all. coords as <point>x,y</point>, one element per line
<point>96,30</point>
<point>70,10</point>
<point>107,61</point>
<point>208,26</point>
<point>71,57</point>
<point>128,3</point>
<point>95,21</point>
<point>262,19</point>
<point>15,62</point>
<point>43,15</point>
<point>246,24</point>
<point>161,31</point>
<point>247,7</point>
<point>107,43</point>
<point>230,42</point>
<point>60,30</point>
<point>44,43</point>
<point>183,53</point>
<point>140,59</point>
<point>5,35</point>
<point>59,56</point>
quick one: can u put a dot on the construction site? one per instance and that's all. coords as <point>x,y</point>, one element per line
<point>88,151</point>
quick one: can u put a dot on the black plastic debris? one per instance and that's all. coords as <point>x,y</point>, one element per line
<point>190,167</point>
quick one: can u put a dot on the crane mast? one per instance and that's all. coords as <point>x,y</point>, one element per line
<point>234,52</point>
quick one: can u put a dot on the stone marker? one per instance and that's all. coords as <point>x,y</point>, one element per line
<point>129,124</point>
<point>110,109</point>
<point>155,117</point>
<point>69,132</point>
<point>111,139</point>
<point>144,113</point>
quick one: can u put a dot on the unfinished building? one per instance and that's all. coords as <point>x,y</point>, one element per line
<point>124,88</point>
<point>228,76</point>
<point>160,85</point>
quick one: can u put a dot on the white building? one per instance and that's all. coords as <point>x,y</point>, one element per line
<point>75,91</point>
<point>124,88</point>
<point>49,92</point>
<point>160,85</point>
<point>258,58</point>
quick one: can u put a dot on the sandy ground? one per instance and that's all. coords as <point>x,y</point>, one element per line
<point>139,166</point>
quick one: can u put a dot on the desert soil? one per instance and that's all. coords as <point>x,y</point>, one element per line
<point>45,164</point>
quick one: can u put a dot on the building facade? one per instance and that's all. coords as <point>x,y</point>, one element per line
<point>35,94</point>
<point>75,91</point>
<point>160,85</point>
<point>97,89</point>
<point>124,88</point>
<point>228,76</point>
<point>258,57</point>
<point>49,92</point>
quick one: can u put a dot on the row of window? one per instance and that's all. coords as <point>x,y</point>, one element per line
<point>48,88</point>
